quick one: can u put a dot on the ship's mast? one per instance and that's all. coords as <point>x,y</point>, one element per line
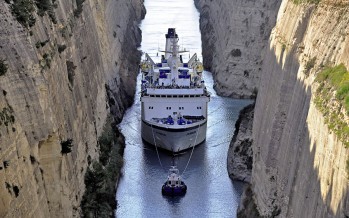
<point>173,61</point>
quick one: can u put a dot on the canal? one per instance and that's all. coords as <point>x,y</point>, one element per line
<point>210,191</point>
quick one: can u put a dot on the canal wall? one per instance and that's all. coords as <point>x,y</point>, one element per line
<point>63,68</point>
<point>299,162</point>
<point>234,39</point>
<point>240,155</point>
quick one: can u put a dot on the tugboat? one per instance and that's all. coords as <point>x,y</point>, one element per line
<point>174,186</point>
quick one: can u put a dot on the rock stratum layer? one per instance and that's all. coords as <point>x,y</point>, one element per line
<point>63,79</point>
<point>234,38</point>
<point>299,164</point>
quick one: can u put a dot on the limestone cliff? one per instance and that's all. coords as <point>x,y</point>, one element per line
<point>240,154</point>
<point>299,164</point>
<point>234,39</point>
<point>65,73</point>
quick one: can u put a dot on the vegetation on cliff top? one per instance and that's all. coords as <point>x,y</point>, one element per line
<point>101,177</point>
<point>334,80</point>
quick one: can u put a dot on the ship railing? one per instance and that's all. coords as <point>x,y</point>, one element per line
<point>181,121</point>
<point>157,86</point>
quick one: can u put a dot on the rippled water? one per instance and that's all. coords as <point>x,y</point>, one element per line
<point>210,191</point>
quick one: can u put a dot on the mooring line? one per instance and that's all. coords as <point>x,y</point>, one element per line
<point>192,151</point>
<point>156,148</point>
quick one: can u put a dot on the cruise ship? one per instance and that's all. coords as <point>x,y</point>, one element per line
<point>174,99</point>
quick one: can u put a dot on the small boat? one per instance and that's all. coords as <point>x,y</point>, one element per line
<point>174,186</point>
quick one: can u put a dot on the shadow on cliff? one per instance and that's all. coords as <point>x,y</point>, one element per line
<point>294,187</point>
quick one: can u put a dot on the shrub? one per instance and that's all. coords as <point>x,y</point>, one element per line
<point>6,163</point>
<point>236,52</point>
<point>22,10</point>
<point>3,67</point>
<point>309,65</point>
<point>46,6</point>
<point>100,179</point>
<point>66,146</point>
<point>6,116</point>
<point>61,48</point>
<point>106,141</point>
<point>39,44</point>
<point>16,190</point>
<point>8,187</point>
<point>46,61</point>
<point>78,10</point>
<point>32,159</point>
<point>71,72</point>
<point>43,6</point>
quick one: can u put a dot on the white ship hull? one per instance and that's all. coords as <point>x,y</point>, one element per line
<point>174,140</point>
<point>173,99</point>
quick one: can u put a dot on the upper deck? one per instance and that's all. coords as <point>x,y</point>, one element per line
<point>172,77</point>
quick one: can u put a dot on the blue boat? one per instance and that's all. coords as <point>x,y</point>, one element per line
<point>174,186</point>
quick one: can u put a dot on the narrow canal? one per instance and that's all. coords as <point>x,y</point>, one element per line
<point>210,191</point>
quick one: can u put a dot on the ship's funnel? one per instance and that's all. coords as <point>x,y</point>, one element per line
<point>171,34</point>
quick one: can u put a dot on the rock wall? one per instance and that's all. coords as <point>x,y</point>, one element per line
<point>234,39</point>
<point>240,156</point>
<point>63,79</point>
<point>299,165</point>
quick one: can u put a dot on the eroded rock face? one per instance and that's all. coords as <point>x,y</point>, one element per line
<point>234,39</point>
<point>299,165</point>
<point>240,157</point>
<point>62,81</point>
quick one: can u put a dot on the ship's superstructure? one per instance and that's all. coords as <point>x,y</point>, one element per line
<point>173,100</point>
